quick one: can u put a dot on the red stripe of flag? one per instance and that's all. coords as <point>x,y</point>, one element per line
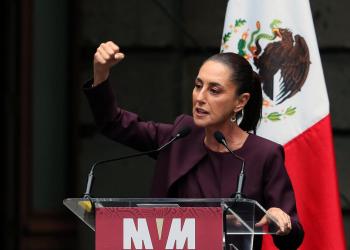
<point>310,162</point>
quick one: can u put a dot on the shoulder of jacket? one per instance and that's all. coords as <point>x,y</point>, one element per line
<point>185,120</point>
<point>266,143</point>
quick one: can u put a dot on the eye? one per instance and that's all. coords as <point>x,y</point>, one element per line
<point>215,90</point>
<point>197,85</point>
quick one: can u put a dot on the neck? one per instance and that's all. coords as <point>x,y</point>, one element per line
<point>234,135</point>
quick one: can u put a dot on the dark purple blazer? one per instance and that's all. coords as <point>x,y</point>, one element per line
<point>266,178</point>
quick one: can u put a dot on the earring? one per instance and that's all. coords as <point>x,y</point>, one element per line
<point>233,118</point>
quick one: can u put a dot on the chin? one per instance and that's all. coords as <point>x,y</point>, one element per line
<point>200,122</point>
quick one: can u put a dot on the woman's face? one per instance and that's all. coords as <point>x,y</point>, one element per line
<point>214,98</point>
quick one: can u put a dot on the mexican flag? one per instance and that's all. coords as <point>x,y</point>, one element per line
<point>278,38</point>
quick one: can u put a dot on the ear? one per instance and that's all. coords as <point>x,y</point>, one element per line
<point>241,102</point>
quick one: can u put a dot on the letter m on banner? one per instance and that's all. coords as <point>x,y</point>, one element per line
<point>139,236</point>
<point>178,237</point>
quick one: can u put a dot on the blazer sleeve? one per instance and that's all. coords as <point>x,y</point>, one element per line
<point>123,126</point>
<point>278,192</point>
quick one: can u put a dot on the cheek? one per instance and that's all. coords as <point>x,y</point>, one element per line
<point>222,108</point>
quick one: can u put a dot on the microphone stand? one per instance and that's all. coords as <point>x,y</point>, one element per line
<point>221,139</point>
<point>87,195</point>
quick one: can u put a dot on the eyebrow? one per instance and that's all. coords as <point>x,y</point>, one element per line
<point>210,83</point>
<point>215,84</point>
<point>199,80</point>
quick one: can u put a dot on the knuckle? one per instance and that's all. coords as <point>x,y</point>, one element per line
<point>114,46</point>
<point>114,49</point>
<point>111,44</point>
<point>100,46</point>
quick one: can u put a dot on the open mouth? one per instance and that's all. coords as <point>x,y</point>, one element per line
<point>201,112</point>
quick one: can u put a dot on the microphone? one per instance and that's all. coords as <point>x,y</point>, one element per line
<point>180,134</point>
<point>221,139</point>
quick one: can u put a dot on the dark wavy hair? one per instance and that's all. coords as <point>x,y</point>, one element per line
<point>247,81</point>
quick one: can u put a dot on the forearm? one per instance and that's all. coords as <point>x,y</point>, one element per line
<point>102,102</point>
<point>123,126</point>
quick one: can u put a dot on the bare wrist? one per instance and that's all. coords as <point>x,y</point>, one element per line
<point>99,79</point>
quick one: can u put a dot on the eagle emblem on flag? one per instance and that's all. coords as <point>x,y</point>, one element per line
<point>281,58</point>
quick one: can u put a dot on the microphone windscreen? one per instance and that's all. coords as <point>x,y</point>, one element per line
<point>183,132</point>
<point>219,137</point>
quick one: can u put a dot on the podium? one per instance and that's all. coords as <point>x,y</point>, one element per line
<point>169,223</point>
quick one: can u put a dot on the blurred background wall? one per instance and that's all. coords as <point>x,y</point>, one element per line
<point>49,138</point>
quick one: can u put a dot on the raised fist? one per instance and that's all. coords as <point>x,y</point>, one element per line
<point>107,55</point>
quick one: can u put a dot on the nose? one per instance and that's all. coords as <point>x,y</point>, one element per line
<point>201,97</point>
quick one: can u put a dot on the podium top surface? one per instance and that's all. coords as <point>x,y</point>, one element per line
<point>247,212</point>
<point>183,201</point>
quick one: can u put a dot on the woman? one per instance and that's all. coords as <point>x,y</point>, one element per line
<point>226,89</point>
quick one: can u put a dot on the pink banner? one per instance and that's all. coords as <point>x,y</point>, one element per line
<point>162,228</point>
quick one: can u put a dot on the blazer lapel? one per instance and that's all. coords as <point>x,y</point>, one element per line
<point>185,155</point>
